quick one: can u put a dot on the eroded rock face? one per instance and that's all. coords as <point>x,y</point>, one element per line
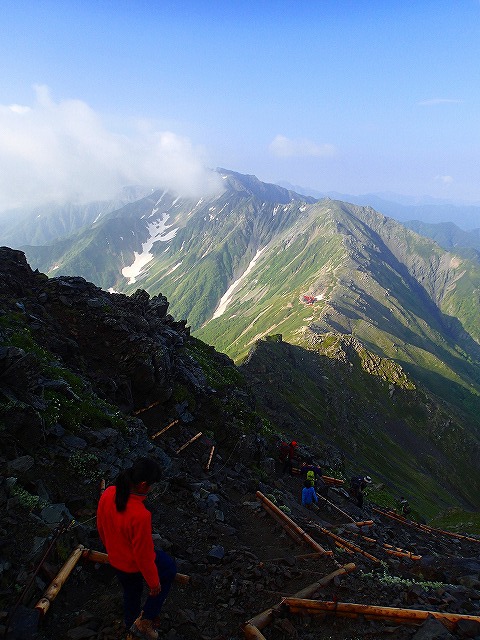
<point>447,568</point>
<point>128,346</point>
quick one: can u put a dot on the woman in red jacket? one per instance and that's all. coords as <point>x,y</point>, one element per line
<point>125,528</point>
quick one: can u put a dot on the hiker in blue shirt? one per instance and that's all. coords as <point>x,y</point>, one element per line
<point>314,475</point>
<point>308,495</point>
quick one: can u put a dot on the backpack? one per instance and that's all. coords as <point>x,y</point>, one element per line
<point>356,484</point>
<point>311,477</point>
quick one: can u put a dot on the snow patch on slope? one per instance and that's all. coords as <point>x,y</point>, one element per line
<point>227,297</point>
<point>158,232</point>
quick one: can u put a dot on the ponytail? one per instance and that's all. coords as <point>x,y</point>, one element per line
<point>143,470</point>
<point>123,485</point>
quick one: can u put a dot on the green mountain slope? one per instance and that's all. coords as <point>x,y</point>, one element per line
<point>398,293</point>
<point>238,265</point>
<point>335,391</point>
<point>47,223</point>
<point>447,234</point>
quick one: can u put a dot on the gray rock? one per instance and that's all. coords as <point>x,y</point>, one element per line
<point>183,413</point>
<point>4,565</point>
<point>446,569</point>
<point>95,303</point>
<point>217,552</point>
<point>472,582</point>
<point>107,436</point>
<point>42,491</point>
<point>55,513</point>
<point>433,629</point>
<point>56,430</point>
<point>161,543</point>
<point>468,628</point>
<point>70,441</point>
<point>213,500</point>
<point>268,465</point>
<point>20,465</point>
<point>38,545</point>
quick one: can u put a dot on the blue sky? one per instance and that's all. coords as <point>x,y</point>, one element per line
<point>336,95</point>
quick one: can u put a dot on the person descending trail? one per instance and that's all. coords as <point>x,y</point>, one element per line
<point>403,506</point>
<point>290,457</point>
<point>357,486</point>
<point>125,528</point>
<point>314,473</point>
<point>309,497</point>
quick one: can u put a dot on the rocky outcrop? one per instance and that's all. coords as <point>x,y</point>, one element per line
<point>128,347</point>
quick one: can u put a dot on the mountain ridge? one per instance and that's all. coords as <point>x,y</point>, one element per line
<point>407,209</point>
<point>238,265</point>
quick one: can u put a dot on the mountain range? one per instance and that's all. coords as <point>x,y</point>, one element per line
<point>406,208</point>
<point>45,224</point>
<point>372,323</point>
<point>237,266</point>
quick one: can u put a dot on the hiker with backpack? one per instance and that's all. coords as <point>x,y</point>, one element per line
<point>404,506</point>
<point>309,497</point>
<point>290,455</point>
<point>356,488</point>
<point>125,528</point>
<point>313,474</point>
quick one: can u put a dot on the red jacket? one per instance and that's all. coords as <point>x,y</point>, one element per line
<point>127,536</point>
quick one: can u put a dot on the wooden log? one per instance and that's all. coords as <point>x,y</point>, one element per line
<point>393,515</point>
<point>389,548</point>
<point>102,558</point>
<point>402,554</point>
<point>364,523</point>
<point>348,544</point>
<point>207,466</point>
<point>288,530</point>
<point>150,406</point>
<point>57,583</point>
<point>252,633</point>
<point>289,523</point>
<point>159,433</point>
<point>261,620</point>
<point>373,612</point>
<point>184,446</point>
<point>367,539</point>
<point>332,482</point>
<point>423,527</point>
<point>310,590</point>
<point>459,536</point>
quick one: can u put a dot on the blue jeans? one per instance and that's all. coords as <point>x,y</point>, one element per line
<point>133,584</point>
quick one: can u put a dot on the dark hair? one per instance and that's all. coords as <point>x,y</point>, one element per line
<point>143,470</point>
<point>308,484</point>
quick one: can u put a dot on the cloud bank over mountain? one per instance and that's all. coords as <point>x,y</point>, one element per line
<point>62,151</point>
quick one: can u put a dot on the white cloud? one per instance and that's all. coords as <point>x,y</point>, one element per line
<point>64,152</point>
<point>434,101</point>
<point>284,147</point>
<point>444,179</point>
